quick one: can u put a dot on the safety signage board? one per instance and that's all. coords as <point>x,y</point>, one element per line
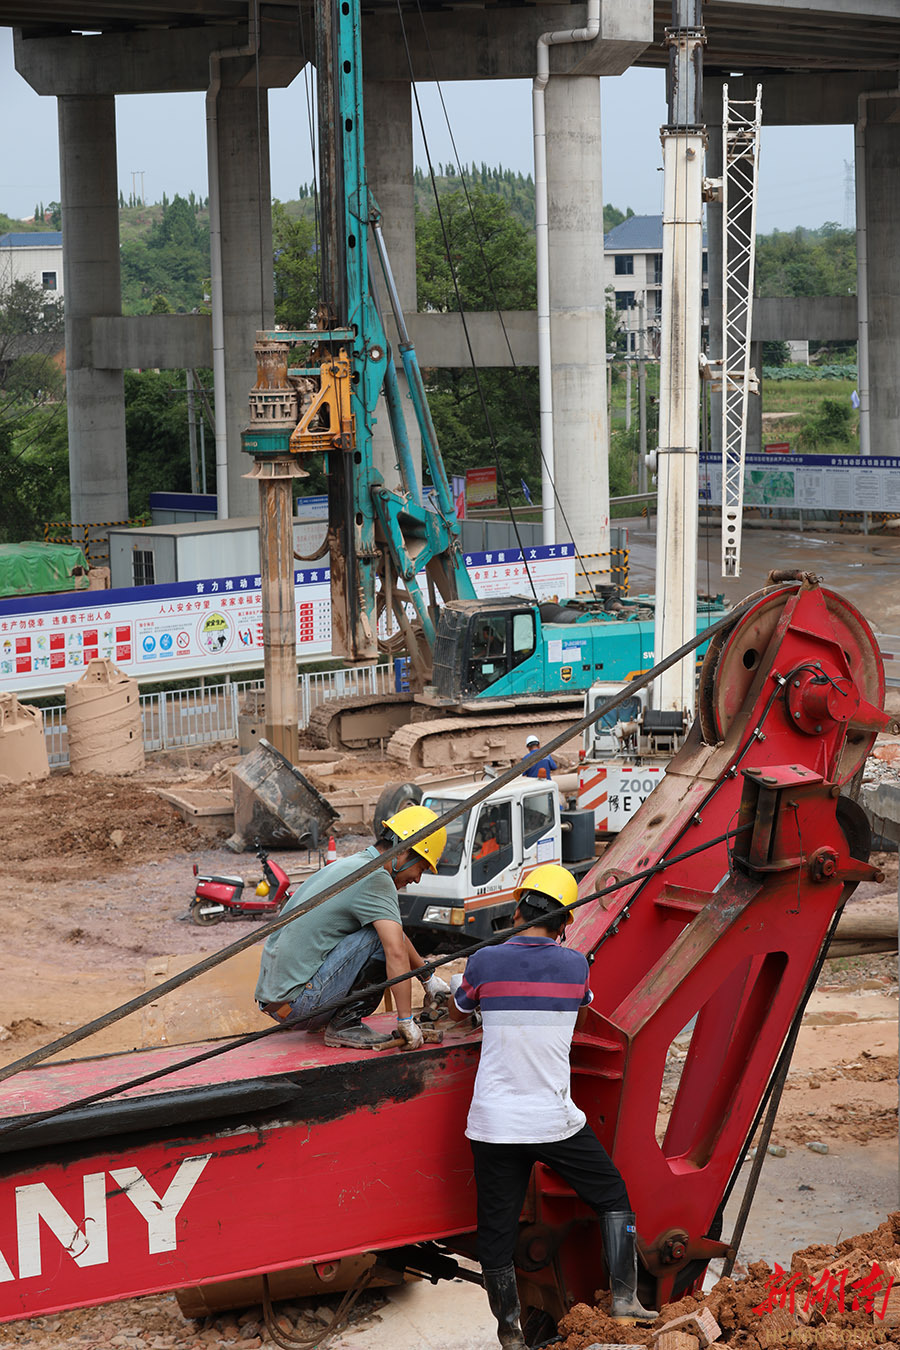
<point>481,487</point>
<point>210,626</point>
<point>810,482</point>
<point>512,571</point>
<point>194,627</point>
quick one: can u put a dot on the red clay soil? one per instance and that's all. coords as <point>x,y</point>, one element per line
<point>763,1311</point>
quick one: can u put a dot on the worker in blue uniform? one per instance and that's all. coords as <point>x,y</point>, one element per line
<point>548,763</point>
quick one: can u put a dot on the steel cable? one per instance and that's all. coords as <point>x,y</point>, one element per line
<point>489,277</point>
<point>462,318</point>
<point>13,1126</point>
<point>481,794</point>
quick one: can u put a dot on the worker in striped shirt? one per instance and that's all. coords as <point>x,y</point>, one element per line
<point>532,993</point>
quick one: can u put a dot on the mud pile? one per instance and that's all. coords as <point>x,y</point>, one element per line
<point>832,1298</point>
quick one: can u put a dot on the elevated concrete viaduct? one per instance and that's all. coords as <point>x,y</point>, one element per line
<point>833,60</point>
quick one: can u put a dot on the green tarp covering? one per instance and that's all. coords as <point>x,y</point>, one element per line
<point>38,569</point>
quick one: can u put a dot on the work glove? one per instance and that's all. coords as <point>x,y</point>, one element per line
<point>435,987</point>
<point>410,1031</point>
<point>455,982</point>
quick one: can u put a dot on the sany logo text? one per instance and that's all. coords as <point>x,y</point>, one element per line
<point>88,1245</point>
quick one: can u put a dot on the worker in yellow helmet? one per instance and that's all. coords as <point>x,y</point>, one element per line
<point>352,940</point>
<point>532,993</point>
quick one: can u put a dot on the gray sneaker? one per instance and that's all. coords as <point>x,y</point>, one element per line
<point>355,1036</point>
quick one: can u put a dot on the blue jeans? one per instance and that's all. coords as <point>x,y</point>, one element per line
<point>335,978</point>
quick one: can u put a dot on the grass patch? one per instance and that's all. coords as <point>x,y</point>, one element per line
<point>803,396</point>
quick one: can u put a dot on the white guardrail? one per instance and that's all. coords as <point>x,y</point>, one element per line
<point>209,713</point>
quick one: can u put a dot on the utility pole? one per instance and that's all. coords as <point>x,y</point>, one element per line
<point>642,400</point>
<point>628,354</point>
<point>192,428</point>
<point>202,453</point>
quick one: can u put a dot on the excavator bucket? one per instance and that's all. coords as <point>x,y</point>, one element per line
<point>275,804</point>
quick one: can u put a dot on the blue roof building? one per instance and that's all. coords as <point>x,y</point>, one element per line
<point>31,239</point>
<point>34,255</point>
<point>633,261</point>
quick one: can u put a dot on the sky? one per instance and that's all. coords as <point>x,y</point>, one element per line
<point>803,170</point>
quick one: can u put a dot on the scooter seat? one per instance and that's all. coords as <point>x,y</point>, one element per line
<point>228,881</point>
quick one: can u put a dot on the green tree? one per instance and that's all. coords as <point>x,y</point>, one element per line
<point>156,436</point>
<point>827,427</point>
<point>492,255</point>
<point>31,341</point>
<point>612,216</point>
<point>806,262</point>
<point>492,414</point>
<point>296,270</point>
<point>171,261</point>
<point>27,318</point>
<point>775,354</point>
<point>34,476</point>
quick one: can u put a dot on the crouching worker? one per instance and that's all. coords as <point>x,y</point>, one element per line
<point>352,940</point>
<point>533,993</point>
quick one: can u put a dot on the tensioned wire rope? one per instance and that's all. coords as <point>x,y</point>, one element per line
<point>489,277</point>
<point>304,44</point>
<point>481,794</point>
<point>465,327</point>
<point>12,1126</point>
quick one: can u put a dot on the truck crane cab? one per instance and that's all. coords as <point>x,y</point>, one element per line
<point>489,850</point>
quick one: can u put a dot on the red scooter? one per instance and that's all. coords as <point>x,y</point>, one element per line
<point>218,898</point>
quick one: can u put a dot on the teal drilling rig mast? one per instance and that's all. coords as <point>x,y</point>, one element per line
<point>482,672</point>
<point>378,540</point>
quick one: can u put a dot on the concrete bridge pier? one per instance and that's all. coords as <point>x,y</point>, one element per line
<point>95,398</point>
<point>878,164</point>
<point>86,74</point>
<point>578,315</point>
<point>389,167</point>
<point>247,280</point>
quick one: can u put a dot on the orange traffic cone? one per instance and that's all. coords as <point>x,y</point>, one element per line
<point>331,854</point>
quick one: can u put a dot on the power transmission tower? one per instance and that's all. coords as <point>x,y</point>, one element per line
<point>849,195</point>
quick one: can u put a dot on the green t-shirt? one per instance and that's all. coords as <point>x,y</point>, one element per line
<point>292,956</point>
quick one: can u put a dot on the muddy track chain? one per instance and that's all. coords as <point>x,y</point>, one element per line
<point>407,742</point>
<point>323,717</point>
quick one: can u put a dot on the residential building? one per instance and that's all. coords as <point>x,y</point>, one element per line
<point>634,263</point>
<point>37,256</point>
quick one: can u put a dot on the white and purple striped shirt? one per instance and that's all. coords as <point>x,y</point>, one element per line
<point>529,990</point>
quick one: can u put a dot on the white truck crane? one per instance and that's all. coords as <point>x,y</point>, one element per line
<point>489,851</point>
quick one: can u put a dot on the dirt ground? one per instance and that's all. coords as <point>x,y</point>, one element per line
<point>98,873</point>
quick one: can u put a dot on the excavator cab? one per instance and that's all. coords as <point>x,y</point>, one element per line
<point>478,644</point>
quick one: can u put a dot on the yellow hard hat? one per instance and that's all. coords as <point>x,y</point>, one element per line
<point>262,887</point>
<point>553,881</point>
<point>409,821</point>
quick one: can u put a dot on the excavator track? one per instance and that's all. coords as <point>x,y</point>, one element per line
<point>360,721</point>
<point>462,742</point>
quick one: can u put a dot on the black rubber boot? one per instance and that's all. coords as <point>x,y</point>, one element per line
<point>620,1249</point>
<point>503,1297</point>
<point>346,1028</point>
